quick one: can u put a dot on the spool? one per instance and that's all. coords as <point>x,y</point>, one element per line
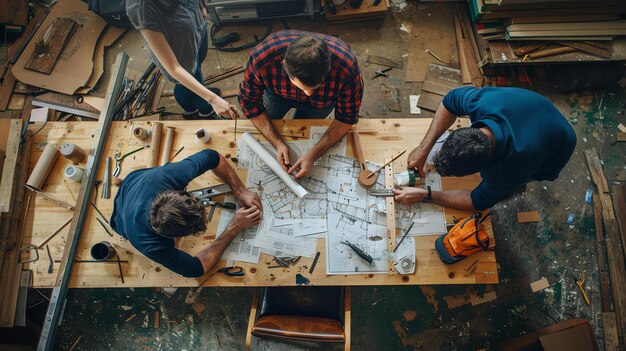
<point>203,134</point>
<point>167,146</point>
<point>74,173</point>
<point>102,251</point>
<point>155,144</point>
<point>141,133</point>
<point>73,152</point>
<point>43,167</point>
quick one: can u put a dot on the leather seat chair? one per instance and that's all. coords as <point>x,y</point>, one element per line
<point>312,313</point>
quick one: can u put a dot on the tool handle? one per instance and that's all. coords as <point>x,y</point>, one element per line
<point>226,205</point>
<point>356,143</point>
<point>234,271</point>
<point>364,255</point>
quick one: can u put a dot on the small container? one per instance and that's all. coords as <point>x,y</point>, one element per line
<point>406,178</point>
<point>203,134</point>
<point>588,196</point>
<point>74,173</point>
<point>102,251</point>
<point>570,219</point>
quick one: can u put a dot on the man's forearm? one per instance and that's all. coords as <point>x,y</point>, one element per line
<point>209,256</point>
<point>441,122</point>
<point>333,134</point>
<point>226,173</point>
<point>263,123</point>
<point>459,199</point>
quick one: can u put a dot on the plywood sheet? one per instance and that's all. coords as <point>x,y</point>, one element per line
<point>394,135</point>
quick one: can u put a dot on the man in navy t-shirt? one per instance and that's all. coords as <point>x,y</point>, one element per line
<point>151,209</point>
<point>515,136</point>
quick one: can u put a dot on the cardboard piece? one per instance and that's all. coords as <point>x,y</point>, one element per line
<point>528,217</point>
<point>75,65</point>
<point>577,338</point>
<point>108,37</point>
<point>539,284</point>
<point>39,114</point>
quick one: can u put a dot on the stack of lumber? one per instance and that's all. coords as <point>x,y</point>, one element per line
<point>366,11</point>
<point>482,10</point>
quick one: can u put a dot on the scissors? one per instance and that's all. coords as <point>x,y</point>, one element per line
<point>118,160</point>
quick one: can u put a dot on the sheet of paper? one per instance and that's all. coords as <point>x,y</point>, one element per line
<point>280,241</point>
<point>272,163</point>
<point>39,114</point>
<point>242,247</point>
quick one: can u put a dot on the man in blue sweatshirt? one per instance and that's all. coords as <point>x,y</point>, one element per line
<point>515,136</point>
<point>151,208</point>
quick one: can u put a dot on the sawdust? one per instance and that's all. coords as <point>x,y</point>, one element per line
<point>409,315</point>
<point>429,293</point>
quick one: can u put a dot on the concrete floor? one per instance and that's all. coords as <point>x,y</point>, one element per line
<point>392,318</point>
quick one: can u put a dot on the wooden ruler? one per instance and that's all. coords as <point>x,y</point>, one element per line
<point>391,215</point>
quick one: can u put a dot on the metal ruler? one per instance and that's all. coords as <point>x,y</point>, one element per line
<point>381,192</point>
<point>212,191</point>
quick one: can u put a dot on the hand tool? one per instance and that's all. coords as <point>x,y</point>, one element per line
<point>381,192</point>
<point>317,257</point>
<point>405,234</point>
<point>177,152</point>
<point>106,185</point>
<point>382,73</point>
<point>119,158</point>
<point>211,191</point>
<point>232,271</point>
<point>226,205</point>
<point>385,165</point>
<point>364,255</point>
<point>581,286</point>
<point>50,266</point>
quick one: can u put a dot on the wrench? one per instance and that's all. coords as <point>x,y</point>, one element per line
<point>118,160</point>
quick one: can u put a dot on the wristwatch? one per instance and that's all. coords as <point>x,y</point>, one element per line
<point>429,196</point>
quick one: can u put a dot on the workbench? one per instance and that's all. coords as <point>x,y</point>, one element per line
<point>44,216</point>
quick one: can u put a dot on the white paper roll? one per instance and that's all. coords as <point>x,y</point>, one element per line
<point>74,173</point>
<point>273,164</point>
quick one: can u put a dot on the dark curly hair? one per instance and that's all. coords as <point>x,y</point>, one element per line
<point>465,151</point>
<point>307,59</point>
<point>175,213</point>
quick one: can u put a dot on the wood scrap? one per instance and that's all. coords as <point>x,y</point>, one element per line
<point>6,90</point>
<point>223,74</point>
<point>605,299</point>
<point>66,103</point>
<point>621,128</point>
<point>620,136</point>
<point>52,42</point>
<point>600,51</point>
<point>528,217</point>
<point>14,12</point>
<point>27,35</point>
<point>390,98</point>
<point>11,158</point>
<point>429,101</point>
<point>383,61</point>
<point>476,299</point>
<point>539,284</point>
<point>550,52</point>
<point>528,48</point>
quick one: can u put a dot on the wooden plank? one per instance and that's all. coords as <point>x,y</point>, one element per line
<point>619,203</point>
<point>617,274</point>
<point>384,61</point>
<point>216,78</point>
<point>611,340</point>
<point>601,255</point>
<point>528,217</point>
<point>49,47</point>
<point>392,136</point>
<point>603,52</point>
<point>10,165</point>
<point>595,170</point>
<point>14,12</point>
<point>391,215</point>
<point>27,35</point>
<point>429,101</point>
<point>7,88</point>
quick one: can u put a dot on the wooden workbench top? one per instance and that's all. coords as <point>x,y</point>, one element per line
<point>394,135</point>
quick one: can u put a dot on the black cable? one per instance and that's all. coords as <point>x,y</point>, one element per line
<point>215,28</point>
<point>24,140</point>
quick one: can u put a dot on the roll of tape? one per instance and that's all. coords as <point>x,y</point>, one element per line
<point>203,134</point>
<point>74,173</point>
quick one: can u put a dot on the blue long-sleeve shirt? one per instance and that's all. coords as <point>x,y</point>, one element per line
<point>533,139</point>
<point>132,205</point>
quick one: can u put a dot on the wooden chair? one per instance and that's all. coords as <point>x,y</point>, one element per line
<point>315,314</point>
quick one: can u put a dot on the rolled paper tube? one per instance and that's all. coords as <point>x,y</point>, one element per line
<point>43,167</point>
<point>74,173</point>
<point>141,133</point>
<point>73,152</point>
<point>203,134</point>
<point>167,145</point>
<point>155,144</point>
<point>273,164</point>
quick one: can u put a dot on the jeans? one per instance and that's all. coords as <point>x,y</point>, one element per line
<point>186,98</point>
<point>277,106</point>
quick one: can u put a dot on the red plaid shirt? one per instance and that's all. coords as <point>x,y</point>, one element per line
<point>342,86</point>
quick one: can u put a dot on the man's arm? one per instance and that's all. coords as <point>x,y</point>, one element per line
<point>263,123</point>
<point>226,173</point>
<point>459,199</point>
<point>442,121</point>
<point>244,218</point>
<point>333,134</point>
<point>163,51</point>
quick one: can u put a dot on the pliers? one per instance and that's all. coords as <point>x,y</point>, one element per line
<point>382,73</point>
<point>581,286</point>
<point>118,160</point>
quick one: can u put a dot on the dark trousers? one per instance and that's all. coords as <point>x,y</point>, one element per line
<point>186,98</point>
<point>277,106</point>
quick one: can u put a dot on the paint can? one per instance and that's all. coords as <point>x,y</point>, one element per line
<point>203,134</point>
<point>73,152</point>
<point>406,178</point>
<point>102,251</point>
<point>74,173</point>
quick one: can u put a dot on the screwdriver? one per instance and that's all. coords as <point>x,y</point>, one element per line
<point>226,205</point>
<point>364,255</point>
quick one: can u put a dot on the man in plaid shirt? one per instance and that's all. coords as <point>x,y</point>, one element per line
<point>310,72</point>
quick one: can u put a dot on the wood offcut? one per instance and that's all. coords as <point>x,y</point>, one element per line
<point>52,42</point>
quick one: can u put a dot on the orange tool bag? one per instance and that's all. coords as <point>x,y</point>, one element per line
<point>464,239</point>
